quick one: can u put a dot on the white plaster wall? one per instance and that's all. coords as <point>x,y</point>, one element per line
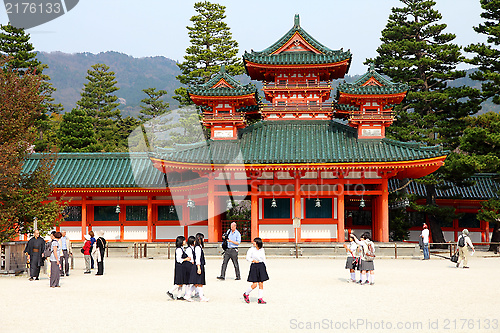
<point>110,233</point>
<point>194,229</point>
<point>73,233</point>
<point>169,231</point>
<point>276,231</point>
<point>318,231</point>
<point>135,232</point>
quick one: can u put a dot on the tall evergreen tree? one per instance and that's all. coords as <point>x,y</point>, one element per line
<point>76,133</point>
<point>99,102</point>
<point>15,43</point>
<point>153,107</point>
<point>211,46</point>
<point>487,56</point>
<point>416,50</point>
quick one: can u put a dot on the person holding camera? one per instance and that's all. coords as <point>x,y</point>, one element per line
<point>233,238</point>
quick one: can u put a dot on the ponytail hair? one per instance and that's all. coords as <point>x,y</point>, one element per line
<point>199,239</point>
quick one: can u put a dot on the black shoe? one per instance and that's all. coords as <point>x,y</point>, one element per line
<point>238,278</point>
<point>67,274</point>
<point>170,295</point>
<point>31,279</point>
<point>181,298</point>
<point>86,272</point>
<point>221,278</point>
<point>37,278</point>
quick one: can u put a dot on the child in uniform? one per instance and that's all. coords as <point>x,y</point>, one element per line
<point>352,250</point>
<point>180,257</point>
<point>258,273</point>
<point>188,268</point>
<point>197,277</point>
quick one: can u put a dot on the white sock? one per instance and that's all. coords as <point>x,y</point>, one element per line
<point>261,293</point>
<point>174,288</point>
<point>353,276</point>
<point>189,289</point>
<point>367,276</point>
<point>363,276</point>
<point>248,291</point>
<point>372,278</point>
<point>200,291</point>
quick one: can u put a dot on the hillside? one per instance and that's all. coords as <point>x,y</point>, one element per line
<point>68,72</point>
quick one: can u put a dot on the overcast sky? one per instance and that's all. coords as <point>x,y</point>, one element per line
<point>144,28</point>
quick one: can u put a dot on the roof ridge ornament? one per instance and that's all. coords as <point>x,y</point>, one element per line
<point>222,68</point>
<point>372,67</point>
<point>296,21</point>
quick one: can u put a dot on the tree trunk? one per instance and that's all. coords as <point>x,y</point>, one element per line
<point>495,238</point>
<point>434,226</point>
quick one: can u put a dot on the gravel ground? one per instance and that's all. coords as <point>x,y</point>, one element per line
<point>310,295</point>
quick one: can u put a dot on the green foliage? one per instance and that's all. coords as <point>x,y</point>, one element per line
<point>76,133</point>
<point>487,56</point>
<point>15,43</point>
<point>240,211</point>
<point>154,107</point>
<point>99,102</point>
<point>21,195</point>
<point>211,46</point>
<point>187,129</point>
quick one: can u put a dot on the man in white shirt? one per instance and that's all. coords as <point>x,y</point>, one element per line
<point>425,238</point>
<point>463,251</point>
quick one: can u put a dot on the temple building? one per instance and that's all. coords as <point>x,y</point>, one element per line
<point>311,167</point>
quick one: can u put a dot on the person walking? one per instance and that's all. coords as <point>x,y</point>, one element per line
<point>34,252</point>
<point>92,245</point>
<point>86,254</point>
<point>55,267</point>
<point>425,240</point>
<point>233,241</point>
<point>65,245</point>
<point>463,243</point>
<point>101,247</point>
<point>179,276</point>
<point>258,272</point>
<point>197,276</point>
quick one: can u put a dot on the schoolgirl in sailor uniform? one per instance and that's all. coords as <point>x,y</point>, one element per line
<point>180,257</point>
<point>366,265</point>
<point>187,267</point>
<point>197,276</point>
<point>258,273</point>
<point>352,255</point>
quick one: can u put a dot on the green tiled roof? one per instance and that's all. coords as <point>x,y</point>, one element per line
<point>290,58</point>
<point>485,187</point>
<point>237,90</point>
<point>101,170</point>
<point>357,88</point>
<point>298,141</point>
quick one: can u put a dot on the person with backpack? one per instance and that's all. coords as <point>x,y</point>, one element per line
<point>463,252</point>
<point>233,238</point>
<point>366,265</point>
<point>55,254</point>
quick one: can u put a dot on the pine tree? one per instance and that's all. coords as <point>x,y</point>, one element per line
<point>99,102</point>
<point>417,51</point>
<point>15,43</point>
<point>211,46</point>
<point>488,55</point>
<point>76,133</point>
<point>153,108</point>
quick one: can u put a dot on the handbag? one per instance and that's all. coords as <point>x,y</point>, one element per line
<point>355,263</point>
<point>82,250</point>
<point>224,242</point>
<point>454,257</point>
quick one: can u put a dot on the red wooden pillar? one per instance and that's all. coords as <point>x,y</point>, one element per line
<point>383,212</point>
<point>254,229</point>
<point>296,199</point>
<point>486,233</point>
<point>211,210</point>
<point>217,220</point>
<point>185,218</point>
<point>340,213</point>
<point>150,218</point>
<point>375,217</point>
<point>84,216</point>
<point>121,218</point>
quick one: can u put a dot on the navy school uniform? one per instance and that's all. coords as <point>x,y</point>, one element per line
<point>187,266</point>
<point>180,255</point>
<point>258,271</point>
<point>199,259</point>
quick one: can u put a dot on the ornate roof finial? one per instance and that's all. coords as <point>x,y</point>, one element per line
<point>372,66</point>
<point>222,68</point>
<point>296,21</point>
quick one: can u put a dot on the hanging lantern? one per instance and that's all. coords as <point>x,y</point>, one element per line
<point>117,210</point>
<point>362,203</point>
<point>190,203</point>
<point>273,203</point>
<point>229,204</point>
<point>406,202</point>
<point>318,203</point>
<point>171,209</point>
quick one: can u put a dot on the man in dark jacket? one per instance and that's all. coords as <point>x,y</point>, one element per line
<point>34,251</point>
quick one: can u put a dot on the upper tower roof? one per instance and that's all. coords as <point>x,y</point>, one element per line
<point>297,48</point>
<point>222,84</point>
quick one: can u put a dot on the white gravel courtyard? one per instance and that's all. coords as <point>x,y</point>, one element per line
<point>303,295</point>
